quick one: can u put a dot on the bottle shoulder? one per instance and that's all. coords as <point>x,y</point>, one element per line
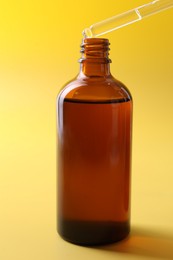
<point>95,89</point>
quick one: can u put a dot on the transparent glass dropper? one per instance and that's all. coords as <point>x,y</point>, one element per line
<point>132,16</point>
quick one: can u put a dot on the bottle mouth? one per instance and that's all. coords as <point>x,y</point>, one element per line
<point>95,42</point>
<point>95,50</point>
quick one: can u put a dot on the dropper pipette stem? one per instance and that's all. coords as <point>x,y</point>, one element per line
<point>124,19</point>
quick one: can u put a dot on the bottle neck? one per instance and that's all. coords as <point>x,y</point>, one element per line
<point>95,57</point>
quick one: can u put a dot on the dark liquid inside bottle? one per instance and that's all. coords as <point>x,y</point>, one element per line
<point>94,166</point>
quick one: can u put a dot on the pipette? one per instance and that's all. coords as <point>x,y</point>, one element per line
<point>129,17</point>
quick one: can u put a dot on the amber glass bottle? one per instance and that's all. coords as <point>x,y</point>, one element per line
<point>94,151</point>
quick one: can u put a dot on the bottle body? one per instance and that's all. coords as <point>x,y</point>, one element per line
<point>94,160</point>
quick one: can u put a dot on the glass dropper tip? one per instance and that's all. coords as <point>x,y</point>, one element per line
<point>87,33</point>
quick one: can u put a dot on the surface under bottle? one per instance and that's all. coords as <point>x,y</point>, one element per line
<point>94,155</point>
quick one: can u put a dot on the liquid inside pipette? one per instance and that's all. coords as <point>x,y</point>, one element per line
<point>124,19</point>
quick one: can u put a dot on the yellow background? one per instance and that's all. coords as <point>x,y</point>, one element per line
<point>39,49</point>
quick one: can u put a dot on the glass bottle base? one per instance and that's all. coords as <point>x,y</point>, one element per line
<point>88,233</point>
